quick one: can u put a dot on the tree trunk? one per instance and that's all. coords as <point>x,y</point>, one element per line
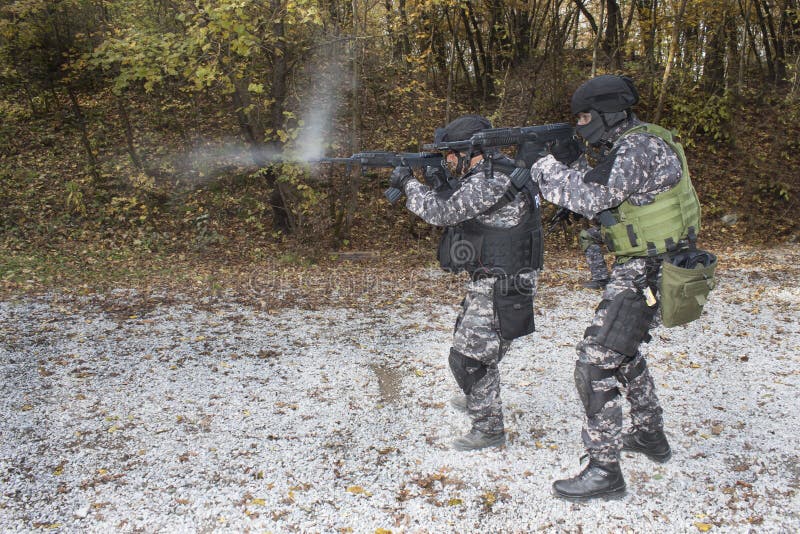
<point>765,39</point>
<point>673,47</point>
<point>612,45</point>
<point>487,79</point>
<point>597,39</point>
<point>126,125</point>
<point>87,144</point>
<point>714,60</point>
<point>473,51</point>
<point>777,46</point>
<point>354,178</point>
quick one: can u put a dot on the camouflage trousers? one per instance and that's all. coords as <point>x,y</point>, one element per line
<point>477,336</point>
<point>591,243</point>
<point>602,431</point>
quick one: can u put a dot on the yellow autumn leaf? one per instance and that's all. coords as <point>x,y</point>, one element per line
<point>538,444</point>
<point>258,502</point>
<point>694,365</point>
<point>382,531</point>
<point>703,527</point>
<point>455,502</point>
<point>419,372</point>
<point>58,470</point>
<point>358,490</point>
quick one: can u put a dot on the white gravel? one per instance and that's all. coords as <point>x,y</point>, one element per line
<point>213,416</point>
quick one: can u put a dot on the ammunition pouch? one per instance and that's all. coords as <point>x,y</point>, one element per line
<point>513,307</point>
<point>467,371</point>
<point>686,280</point>
<point>625,325</point>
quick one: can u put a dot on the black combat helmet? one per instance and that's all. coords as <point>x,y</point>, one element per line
<point>607,98</point>
<point>463,128</point>
<point>606,94</point>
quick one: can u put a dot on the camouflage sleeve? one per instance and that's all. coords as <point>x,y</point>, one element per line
<point>476,195</point>
<point>588,192</point>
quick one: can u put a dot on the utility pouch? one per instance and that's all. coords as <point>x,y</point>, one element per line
<point>443,253</point>
<point>625,325</point>
<point>513,306</point>
<point>686,280</point>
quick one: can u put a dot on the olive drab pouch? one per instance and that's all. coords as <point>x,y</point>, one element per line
<point>513,307</point>
<point>686,280</point>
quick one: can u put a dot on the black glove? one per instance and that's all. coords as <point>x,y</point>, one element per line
<point>397,183</point>
<point>435,177</point>
<point>566,151</point>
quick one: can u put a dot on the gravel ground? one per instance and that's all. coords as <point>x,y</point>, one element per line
<point>207,415</point>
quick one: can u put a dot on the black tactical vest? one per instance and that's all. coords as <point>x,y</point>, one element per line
<point>483,250</point>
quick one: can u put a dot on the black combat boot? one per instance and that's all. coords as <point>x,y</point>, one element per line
<point>596,284</point>
<point>459,403</point>
<point>476,439</point>
<point>652,444</point>
<point>595,480</point>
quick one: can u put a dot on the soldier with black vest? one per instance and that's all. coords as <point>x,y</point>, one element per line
<point>641,193</point>
<point>493,231</point>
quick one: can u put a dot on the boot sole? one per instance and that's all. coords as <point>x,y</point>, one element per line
<point>658,458</point>
<point>605,495</point>
<point>465,448</point>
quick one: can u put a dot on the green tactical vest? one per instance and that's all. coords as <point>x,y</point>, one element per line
<point>654,229</point>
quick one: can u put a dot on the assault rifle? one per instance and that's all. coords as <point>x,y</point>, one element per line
<point>532,142</point>
<point>430,162</point>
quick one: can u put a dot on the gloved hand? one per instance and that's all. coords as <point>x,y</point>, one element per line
<point>566,151</point>
<point>397,182</point>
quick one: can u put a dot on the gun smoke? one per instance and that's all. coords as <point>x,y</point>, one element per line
<point>210,159</point>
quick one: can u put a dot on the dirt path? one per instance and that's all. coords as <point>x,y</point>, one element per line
<point>123,414</point>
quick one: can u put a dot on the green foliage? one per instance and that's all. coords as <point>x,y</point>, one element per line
<point>695,114</point>
<point>74,198</point>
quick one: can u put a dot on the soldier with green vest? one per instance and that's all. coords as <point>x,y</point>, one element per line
<point>640,191</point>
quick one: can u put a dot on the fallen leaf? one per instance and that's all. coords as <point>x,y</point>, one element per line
<point>455,502</point>
<point>703,527</point>
<point>258,502</point>
<point>358,490</point>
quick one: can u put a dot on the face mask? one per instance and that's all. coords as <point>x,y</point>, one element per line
<point>593,131</point>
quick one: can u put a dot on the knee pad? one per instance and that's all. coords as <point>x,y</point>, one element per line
<point>467,371</point>
<point>625,324</point>
<point>593,401</point>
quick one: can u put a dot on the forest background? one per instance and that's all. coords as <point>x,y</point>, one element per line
<point>138,137</point>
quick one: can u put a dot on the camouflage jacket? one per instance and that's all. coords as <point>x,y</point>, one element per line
<point>638,167</point>
<point>477,194</point>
